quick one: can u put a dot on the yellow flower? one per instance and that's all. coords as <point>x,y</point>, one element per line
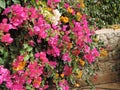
<point>82,62</point>
<point>95,40</point>
<point>70,10</point>
<point>56,75</point>
<point>79,74</point>
<point>115,27</point>
<point>20,66</point>
<point>76,59</point>
<point>64,19</point>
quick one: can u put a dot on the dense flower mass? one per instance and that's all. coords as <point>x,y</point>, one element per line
<point>45,45</point>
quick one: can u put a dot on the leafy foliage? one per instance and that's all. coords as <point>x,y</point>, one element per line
<point>103,12</point>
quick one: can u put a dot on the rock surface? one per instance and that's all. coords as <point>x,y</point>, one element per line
<point>111,39</point>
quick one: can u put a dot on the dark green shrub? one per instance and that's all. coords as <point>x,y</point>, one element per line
<point>103,12</point>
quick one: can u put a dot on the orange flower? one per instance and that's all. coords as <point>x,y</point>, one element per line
<point>82,62</point>
<point>81,0</point>
<point>64,19</point>
<point>37,82</point>
<point>69,46</point>
<point>77,85</point>
<point>70,10</point>
<point>82,5</point>
<point>62,75</point>
<point>79,16</point>
<point>20,66</point>
<point>49,9</point>
<point>76,59</point>
<point>76,52</point>
<point>103,52</point>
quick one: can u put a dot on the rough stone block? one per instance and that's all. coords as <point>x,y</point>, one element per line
<point>111,39</point>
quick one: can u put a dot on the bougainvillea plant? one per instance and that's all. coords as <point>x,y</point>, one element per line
<point>45,45</point>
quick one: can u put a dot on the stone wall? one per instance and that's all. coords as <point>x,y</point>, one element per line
<point>111,40</point>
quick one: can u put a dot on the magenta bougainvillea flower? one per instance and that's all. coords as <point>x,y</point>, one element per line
<point>67,70</point>
<point>50,2</point>
<point>66,57</point>
<point>90,56</point>
<point>4,26</point>
<point>64,85</point>
<point>43,57</point>
<point>7,38</point>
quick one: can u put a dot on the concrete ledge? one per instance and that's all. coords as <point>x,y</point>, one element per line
<point>107,31</point>
<point>106,86</point>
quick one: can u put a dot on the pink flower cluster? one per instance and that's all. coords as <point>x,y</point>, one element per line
<point>20,14</point>
<point>64,85</point>
<point>16,81</point>
<point>40,26</point>
<point>4,75</point>
<point>53,43</point>
<point>4,29</point>
<point>83,35</point>
<point>53,3</point>
<point>90,55</point>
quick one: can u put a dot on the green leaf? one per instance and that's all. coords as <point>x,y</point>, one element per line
<point>2,4</point>
<point>34,3</point>
<point>25,1</point>
<point>72,80</point>
<point>8,2</point>
<point>26,57</point>
<point>29,49</point>
<point>16,1</point>
<point>31,55</point>
<point>0,10</point>
<point>1,61</point>
<point>22,52</point>
<point>28,87</point>
<point>1,50</point>
<point>5,54</point>
<point>25,46</point>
